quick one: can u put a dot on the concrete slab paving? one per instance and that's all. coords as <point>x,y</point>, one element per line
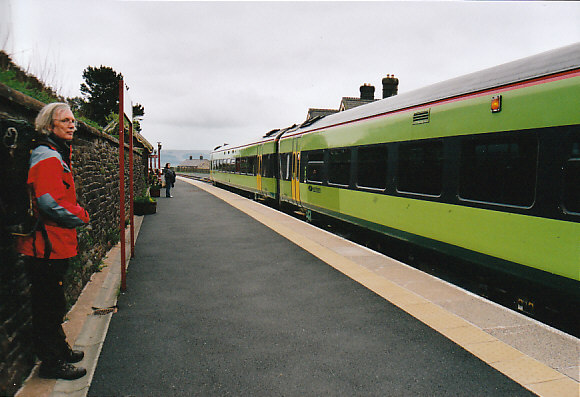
<point>169,341</point>
<point>482,315</point>
<point>85,331</point>
<point>237,309</point>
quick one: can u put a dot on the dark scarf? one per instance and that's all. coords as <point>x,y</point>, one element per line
<point>62,147</point>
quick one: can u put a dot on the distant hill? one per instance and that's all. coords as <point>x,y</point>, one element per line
<point>177,156</point>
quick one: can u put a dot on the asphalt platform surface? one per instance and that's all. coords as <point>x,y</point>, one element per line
<point>219,304</point>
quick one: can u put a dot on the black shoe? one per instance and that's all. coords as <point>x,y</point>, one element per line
<point>74,356</point>
<point>61,370</point>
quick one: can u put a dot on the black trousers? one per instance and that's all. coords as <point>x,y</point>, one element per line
<point>48,308</point>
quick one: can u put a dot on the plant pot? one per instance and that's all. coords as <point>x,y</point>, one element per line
<point>144,208</point>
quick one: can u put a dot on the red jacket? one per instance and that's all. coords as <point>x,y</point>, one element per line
<point>51,180</point>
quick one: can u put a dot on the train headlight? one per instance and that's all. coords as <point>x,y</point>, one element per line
<point>496,104</point>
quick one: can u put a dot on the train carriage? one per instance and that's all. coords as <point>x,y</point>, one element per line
<point>485,167</point>
<point>251,167</point>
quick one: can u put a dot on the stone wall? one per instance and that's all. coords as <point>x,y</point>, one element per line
<point>95,165</point>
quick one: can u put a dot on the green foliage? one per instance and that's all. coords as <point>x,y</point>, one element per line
<point>90,122</point>
<point>112,235</point>
<point>144,199</point>
<point>138,113</point>
<point>9,77</point>
<point>76,104</point>
<point>101,92</point>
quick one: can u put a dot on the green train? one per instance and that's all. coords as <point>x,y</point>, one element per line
<point>484,167</point>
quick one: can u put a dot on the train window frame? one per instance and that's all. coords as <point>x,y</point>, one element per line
<point>424,172</point>
<point>314,165</point>
<point>496,140</point>
<point>571,161</point>
<point>243,166</point>
<point>252,165</point>
<point>285,164</point>
<point>384,177</point>
<point>266,170</point>
<point>342,154</point>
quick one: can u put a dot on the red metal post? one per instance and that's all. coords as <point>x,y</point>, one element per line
<point>131,190</point>
<point>159,154</point>
<point>122,185</point>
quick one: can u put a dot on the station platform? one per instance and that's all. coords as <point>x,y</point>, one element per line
<point>226,296</point>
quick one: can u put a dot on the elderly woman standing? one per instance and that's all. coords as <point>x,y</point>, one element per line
<point>48,250</point>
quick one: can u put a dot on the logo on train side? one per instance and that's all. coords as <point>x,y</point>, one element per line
<point>314,189</point>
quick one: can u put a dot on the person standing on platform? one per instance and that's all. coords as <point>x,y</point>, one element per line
<point>169,179</point>
<point>47,250</point>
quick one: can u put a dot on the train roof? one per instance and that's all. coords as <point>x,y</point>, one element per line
<point>540,65</point>
<point>547,63</point>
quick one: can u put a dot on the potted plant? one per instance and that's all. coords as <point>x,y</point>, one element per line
<point>154,184</point>
<point>144,205</point>
<point>155,190</point>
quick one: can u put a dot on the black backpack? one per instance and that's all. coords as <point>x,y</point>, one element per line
<point>17,140</point>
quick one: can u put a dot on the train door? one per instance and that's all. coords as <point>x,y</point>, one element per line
<point>259,170</point>
<point>296,170</point>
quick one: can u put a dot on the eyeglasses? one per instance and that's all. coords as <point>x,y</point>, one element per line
<point>67,121</point>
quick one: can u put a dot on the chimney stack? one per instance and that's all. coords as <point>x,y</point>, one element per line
<point>390,86</point>
<point>367,91</point>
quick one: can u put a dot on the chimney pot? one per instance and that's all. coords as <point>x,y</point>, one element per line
<point>191,157</point>
<point>367,91</point>
<point>390,86</point>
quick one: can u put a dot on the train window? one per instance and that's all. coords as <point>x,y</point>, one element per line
<point>243,165</point>
<point>272,165</point>
<point>421,167</point>
<point>285,166</point>
<point>267,166</point>
<point>314,166</point>
<point>372,166</point>
<point>499,169</point>
<point>572,177</point>
<point>339,166</point>
<point>252,165</point>
<point>264,162</point>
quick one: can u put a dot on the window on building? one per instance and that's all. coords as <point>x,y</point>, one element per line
<point>314,166</point>
<point>372,166</point>
<point>339,166</point>
<point>499,169</point>
<point>421,167</point>
<point>572,176</point>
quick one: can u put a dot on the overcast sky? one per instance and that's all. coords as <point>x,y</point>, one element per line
<point>215,72</point>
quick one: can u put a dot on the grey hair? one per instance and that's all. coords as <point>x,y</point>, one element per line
<point>44,121</point>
